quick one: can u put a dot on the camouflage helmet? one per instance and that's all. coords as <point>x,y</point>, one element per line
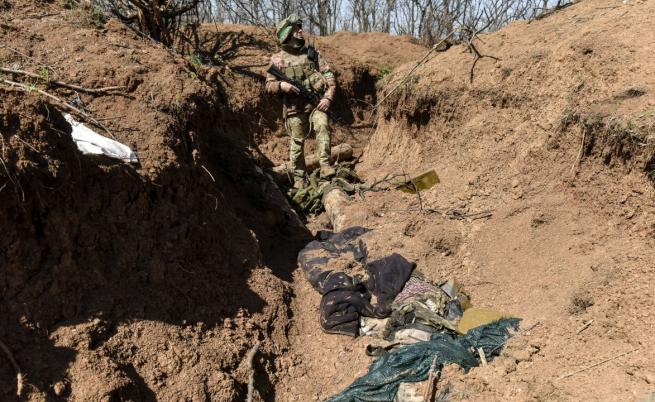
<point>285,27</point>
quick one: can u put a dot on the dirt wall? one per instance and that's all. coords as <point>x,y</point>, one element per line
<point>134,282</point>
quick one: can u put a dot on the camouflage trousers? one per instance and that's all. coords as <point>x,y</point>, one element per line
<point>298,128</point>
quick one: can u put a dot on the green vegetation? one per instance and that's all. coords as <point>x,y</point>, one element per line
<point>384,72</point>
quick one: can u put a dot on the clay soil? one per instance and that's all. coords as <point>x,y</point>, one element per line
<point>152,282</point>
<point>545,209</point>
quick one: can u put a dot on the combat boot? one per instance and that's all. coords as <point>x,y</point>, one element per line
<point>327,171</point>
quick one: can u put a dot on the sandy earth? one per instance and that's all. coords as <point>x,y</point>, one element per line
<point>153,282</point>
<point>568,241</point>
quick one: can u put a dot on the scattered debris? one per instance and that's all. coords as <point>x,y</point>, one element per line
<point>412,363</point>
<point>337,267</point>
<point>483,358</point>
<point>595,364</point>
<point>585,326</point>
<point>91,143</point>
<point>433,379</point>
<point>425,322</point>
<point>310,198</point>
<point>423,181</point>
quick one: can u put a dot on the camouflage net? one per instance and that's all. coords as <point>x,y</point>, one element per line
<point>309,199</point>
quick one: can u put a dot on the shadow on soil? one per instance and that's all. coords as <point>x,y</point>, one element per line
<point>103,242</point>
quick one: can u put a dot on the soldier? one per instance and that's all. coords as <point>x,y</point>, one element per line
<point>304,64</point>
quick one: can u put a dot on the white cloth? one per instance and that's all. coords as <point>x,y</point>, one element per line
<point>91,143</point>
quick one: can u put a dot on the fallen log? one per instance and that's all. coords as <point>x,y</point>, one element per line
<point>334,202</point>
<point>338,153</point>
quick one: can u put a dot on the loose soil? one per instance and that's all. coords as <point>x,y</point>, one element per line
<point>152,282</point>
<point>556,141</point>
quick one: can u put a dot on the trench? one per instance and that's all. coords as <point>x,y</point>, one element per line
<point>154,282</point>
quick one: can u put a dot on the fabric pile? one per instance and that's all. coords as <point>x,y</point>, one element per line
<point>337,266</point>
<point>347,297</point>
<point>411,363</point>
<point>309,199</point>
<point>413,319</point>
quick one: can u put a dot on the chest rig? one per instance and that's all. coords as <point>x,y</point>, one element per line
<point>304,68</point>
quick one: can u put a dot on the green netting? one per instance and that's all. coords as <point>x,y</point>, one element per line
<point>411,363</point>
<point>310,198</point>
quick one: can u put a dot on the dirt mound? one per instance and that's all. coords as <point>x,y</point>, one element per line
<point>360,62</point>
<point>123,282</point>
<point>545,209</point>
<point>152,282</point>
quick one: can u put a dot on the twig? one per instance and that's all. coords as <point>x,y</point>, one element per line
<point>111,118</point>
<point>584,326</point>
<point>420,63</point>
<point>39,16</point>
<point>250,357</point>
<point>26,144</point>
<point>531,327</point>
<point>209,173</point>
<point>455,214</point>
<point>19,375</point>
<point>15,183</point>
<point>595,364</point>
<point>521,332</point>
<point>475,51</point>
<point>215,201</point>
<point>416,190</point>
<point>61,102</point>
<point>60,83</point>
<point>433,378</point>
<point>579,158</point>
<point>18,52</point>
<point>483,357</point>
<point>387,179</point>
<point>551,11</point>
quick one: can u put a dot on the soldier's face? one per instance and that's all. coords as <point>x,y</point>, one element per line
<point>297,32</point>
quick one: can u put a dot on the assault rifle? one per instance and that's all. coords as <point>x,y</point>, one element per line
<point>311,96</point>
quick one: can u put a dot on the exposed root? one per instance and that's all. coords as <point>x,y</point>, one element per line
<point>95,91</point>
<point>20,378</point>
<point>250,357</point>
<point>85,115</point>
<point>16,183</point>
<point>574,169</point>
<point>472,35</point>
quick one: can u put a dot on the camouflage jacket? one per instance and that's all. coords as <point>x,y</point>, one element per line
<point>315,75</point>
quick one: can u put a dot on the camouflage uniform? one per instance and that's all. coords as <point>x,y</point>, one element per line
<point>300,115</point>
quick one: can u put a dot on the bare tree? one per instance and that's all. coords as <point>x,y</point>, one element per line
<point>161,20</point>
<point>428,20</point>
